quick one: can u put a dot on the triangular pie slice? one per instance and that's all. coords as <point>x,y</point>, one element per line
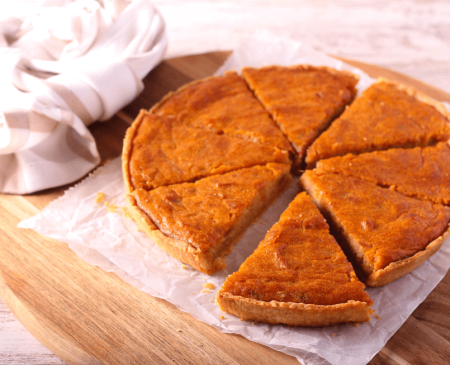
<point>387,115</point>
<point>388,234</point>
<point>161,151</point>
<point>298,275</point>
<point>419,172</point>
<point>198,223</point>
<point>223,104</point>
<point>303,100</point>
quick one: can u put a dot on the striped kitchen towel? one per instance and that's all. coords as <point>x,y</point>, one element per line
<point>70,63</point>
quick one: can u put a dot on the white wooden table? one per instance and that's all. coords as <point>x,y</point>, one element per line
<point>411,37</point>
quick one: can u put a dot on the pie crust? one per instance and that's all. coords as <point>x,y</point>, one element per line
<point>159,151</point>
<point>294,314</point>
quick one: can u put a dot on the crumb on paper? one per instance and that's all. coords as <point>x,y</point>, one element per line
<point>253,323</point>
<point>183,266</point>
<point>112,208</point>
<point>192,293</point>
<point>377,316</point>
<point>209,286</point>
<point>178,330</point>
<point>99,198</point>
<point>126,213</point>
<point>356,324</point>
<point>242,319</point>
<point>205,291</point>
<point>222,317</point>
<point>334,334</point>
<point>204,279</point>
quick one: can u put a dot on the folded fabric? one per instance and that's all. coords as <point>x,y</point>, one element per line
<point>69,64</point>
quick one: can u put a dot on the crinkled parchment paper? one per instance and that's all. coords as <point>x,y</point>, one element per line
<point>111,241</point>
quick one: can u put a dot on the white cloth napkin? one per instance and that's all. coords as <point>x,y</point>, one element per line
<point>67,65</point>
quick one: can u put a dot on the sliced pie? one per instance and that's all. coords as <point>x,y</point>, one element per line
<point>161,151</point>
<point>303,100</point>
<point>387,233</point>
<point>298,275</point>
<point>198,223</point>
<point>223,104</point>
<point>387,115</point>
<point>419,172</point>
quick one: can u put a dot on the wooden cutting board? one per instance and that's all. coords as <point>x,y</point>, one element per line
<point>87,316</point>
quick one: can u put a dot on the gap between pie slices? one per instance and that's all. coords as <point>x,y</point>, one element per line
<point>386,233</point>
<point>421,172</point>
<point>303,100</point>
<point>386,115</point>
<point>298,275</point>
<point>161,151</point>
<point>199,223</point>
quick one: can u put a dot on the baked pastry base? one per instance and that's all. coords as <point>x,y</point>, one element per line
<point>294,314</point>
<point>400,268</point>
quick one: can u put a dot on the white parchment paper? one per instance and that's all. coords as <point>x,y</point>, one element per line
<point>111,241</point>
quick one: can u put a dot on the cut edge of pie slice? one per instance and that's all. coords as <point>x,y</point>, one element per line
<point>298,276</point>
<point>161,151</point>
<point>385,233</point>
<point>302,99</point>
<point>199,223</point>
<point>338,141</point>
<point>420,172</point>
<point>261,128</point>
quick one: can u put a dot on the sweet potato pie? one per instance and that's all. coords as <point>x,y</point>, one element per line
<point>207,160</point>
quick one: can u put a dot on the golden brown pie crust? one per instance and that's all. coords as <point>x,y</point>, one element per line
<point>294,314</point>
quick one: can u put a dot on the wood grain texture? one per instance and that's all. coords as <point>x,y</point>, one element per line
<point>87,316</point>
